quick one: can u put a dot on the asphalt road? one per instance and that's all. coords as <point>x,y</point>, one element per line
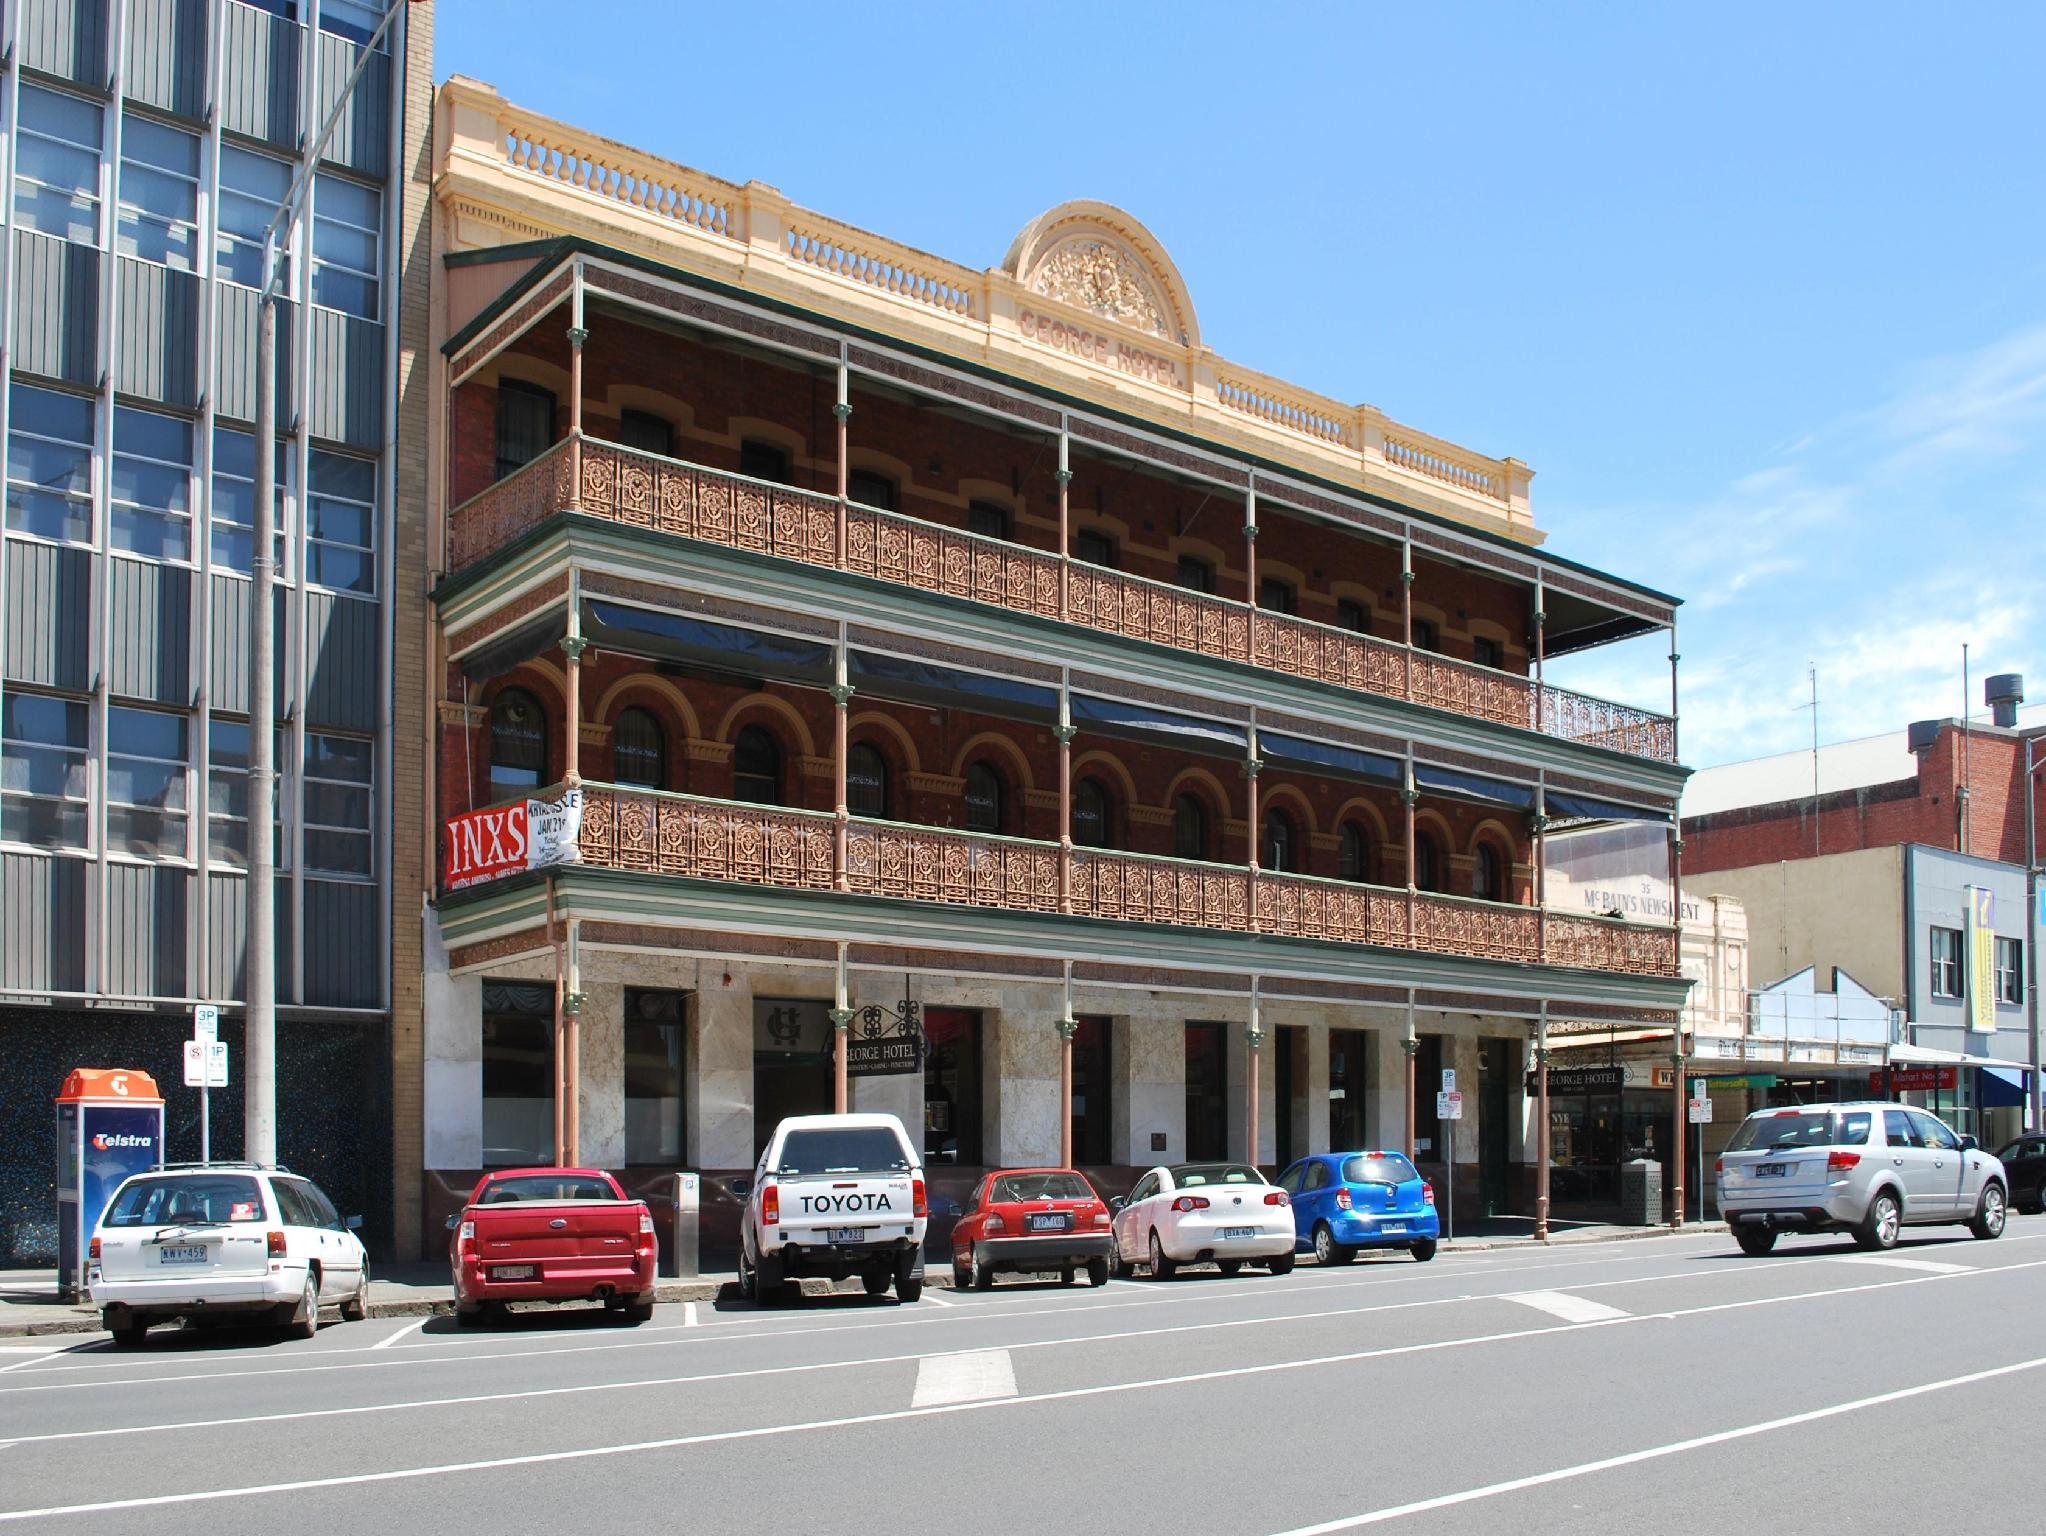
<point>1661,1385</point>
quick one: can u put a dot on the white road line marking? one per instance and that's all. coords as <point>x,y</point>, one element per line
<point>1657,1452</point>
<point>1889,1261</point>
<point>1572,1309</point>
<point>412,1327</point>
<point>689,1314</point>
<point>939,1301</point>
<point>963,1378</point>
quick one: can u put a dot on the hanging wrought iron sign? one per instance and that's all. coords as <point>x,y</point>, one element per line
<point>886,1042</point>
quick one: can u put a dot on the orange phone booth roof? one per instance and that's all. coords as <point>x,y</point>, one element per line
<point>116,1084</point>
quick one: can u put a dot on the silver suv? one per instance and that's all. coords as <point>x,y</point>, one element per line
<point>1863,1168</point>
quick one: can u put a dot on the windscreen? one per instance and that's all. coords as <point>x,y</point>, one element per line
<point>193,1199</point>
<point>1195,1175</point>
<point>850,1149</point>
<point>1383,1168</point>
<point>1017,1187</point>
<point>1804,1128</point>
<point>544,1186</point>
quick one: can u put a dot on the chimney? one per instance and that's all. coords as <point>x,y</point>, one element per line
<point>1923,735</point>
<point>2003,694</point>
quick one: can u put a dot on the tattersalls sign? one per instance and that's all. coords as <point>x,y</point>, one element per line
<point>509,839</point>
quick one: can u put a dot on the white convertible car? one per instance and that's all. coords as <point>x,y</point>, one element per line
<point>1200,1213</point>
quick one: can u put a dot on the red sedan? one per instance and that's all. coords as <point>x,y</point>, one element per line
<point>1031,1221</point>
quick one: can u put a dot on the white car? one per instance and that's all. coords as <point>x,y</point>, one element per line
<point>1197,1213</point>
<point>226,1239</point>
<point>835,1196</point>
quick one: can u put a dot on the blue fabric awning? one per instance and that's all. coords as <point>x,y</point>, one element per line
<point>2000,1087</point>
<point>921,682</point>
<point>727,647</point>
<point>1347,762</point>
<point>1588,808</point>
<point>1120,717</point>
<point>1473,786</point>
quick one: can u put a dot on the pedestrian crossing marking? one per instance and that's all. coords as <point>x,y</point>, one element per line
<point>1928,1266</point>
<point>1572,1309</point>
<point>968,1377</point>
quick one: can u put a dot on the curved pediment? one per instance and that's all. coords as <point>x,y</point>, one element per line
<point>1098,259</point>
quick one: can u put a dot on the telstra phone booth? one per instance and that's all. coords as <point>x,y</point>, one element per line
<point>109,1125</point>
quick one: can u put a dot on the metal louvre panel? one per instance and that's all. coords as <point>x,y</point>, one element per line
<point>228,668</point>
<point>156,350</point>
<point>166,55</point>
<point>56,308</point>
<point>146,925</point>
<point>235,352</point>
<point>343,945</point>
<point>227,927</point>
<point>341,661</point>
<point>67,38</point>
<point>149,630</point>
<point>259,77</point>
<point>44,899</point>
<point>49,615</point>
<point>347,402</point>
<point>360,138</point>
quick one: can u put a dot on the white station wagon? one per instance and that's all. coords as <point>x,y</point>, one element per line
<point>226,1239</point>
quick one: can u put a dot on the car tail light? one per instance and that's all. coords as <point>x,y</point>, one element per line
<point>92,1249</point>
<point>1342,1199</point>
<point>1101,1217</point>
<point>276,1244</point>
<point>1840,1162</point>
<point>1427,1193</point>
<point>919,1200</point>
<point>1719,1165</point>
<point>1190,1203</point>
<point>770,1204</point>
<point>646,1223</point>
<point>996,1224</point>
<point>465,1239</point>
<point>1277,1197</point>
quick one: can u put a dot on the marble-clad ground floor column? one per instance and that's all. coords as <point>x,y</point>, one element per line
<point>719,1110</point>
<point>1385,1121</point>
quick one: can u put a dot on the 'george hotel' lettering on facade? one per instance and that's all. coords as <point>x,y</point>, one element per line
<point>1096,348</point>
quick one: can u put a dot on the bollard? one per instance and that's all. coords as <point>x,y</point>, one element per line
<point>682,1255</point>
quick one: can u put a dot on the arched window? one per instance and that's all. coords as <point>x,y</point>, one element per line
<point>1189,828</point>
<point>518,744</point>
<point>1427,863</point>
<point>1354,852</point>
<point>866,781</point>
<point>1488,878</point>
<point>983,798</point>
<point>1281,853</point>
<point>639,750</point>
<point>756,766</point>
<point>1090,814</point>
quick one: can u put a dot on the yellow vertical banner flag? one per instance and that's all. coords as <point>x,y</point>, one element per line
<point>1981,960</point>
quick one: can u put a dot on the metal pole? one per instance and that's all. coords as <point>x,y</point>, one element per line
<point>2038,1104</point>
<point>1068,1027</point>
<point>1254,1038</point>
<point>205,1121</point>
<point>1542,1129</point>
<point>841,1029</point>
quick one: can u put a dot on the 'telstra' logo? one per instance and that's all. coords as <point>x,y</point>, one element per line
<point>106,1141</point>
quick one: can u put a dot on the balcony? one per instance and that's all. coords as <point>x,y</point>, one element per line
<point>670,834</point>
<point>671,496</point>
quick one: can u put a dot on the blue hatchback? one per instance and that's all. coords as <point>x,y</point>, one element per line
<point>1344,1201</point>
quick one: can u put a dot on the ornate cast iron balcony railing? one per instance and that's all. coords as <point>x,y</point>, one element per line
<point>670,834</point>
<point>644,490</point>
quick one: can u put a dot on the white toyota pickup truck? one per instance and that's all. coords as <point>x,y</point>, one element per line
<point>836,1196</point>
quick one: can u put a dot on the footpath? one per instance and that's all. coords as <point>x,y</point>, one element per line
<point>30,1307</point>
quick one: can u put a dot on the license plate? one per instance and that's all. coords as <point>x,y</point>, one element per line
<point>1773,1170</point>
<point>1394,1227</point>
<point>513,1271</point>
<point>1230,1234</point>
<point>194,1255</point>
<point>848,1234</point>
<point>1050,1221</point>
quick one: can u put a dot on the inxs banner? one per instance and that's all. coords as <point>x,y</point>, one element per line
<point>506,839</point>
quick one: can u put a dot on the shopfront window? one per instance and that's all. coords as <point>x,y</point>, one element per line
<point>1093,1097</point>
<point>1349,1056</point>
<point>1207,1097</point>
<point>654,1036</point>
<point>518,1074</point>
<point>952,1086</point>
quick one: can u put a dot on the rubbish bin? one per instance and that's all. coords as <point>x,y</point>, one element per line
<point>1641,1193</point>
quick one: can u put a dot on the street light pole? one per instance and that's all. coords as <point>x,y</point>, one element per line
<point>259,1039</point>
<point>2037,1119</point>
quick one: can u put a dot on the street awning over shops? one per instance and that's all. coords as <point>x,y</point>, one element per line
<point>677,637</point>
<point>2001,1088</point>
<point>535,638</point>
<point>1926,1055</point>
<point>1120,717</point>
<point>923,682</point>
<point>1473,786</point>
<point>1563,805</point>
<point>1344,762</point>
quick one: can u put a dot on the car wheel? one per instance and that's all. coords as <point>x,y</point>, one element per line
<point>1118,1266</point>
<point>1097,1272</point>
<point>1066,1275</point>
<point>749,1278</point>
<point>2037,1204</point>
<point>356,1307</point>
<point>875,1282</point>
<point>1327,1251</point>
<point>1162,1268</point>
<point>1282,1265</point>
<point>1755,1239</point>
<point>1230,1266</point>
<point>468,1317</point>
<point>1424,1250</point>
<point>130,1335</point>
<point>960,1277</point>
<point>1990,1214</point>
<point>980,1276</point>
<point>909,1281</point>
<point>1878,1228</point>
<point>305,1322</point>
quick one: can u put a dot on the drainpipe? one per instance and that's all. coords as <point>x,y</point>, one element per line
<point>841,706</point>
<point>842,411</point>
<point>577,335</point>
<point>1407,608</point>
<point>1065,735</point>
<point>841,1035</point>
<point>1065,480</point>
<point>572,1002</point>
<point>1254,1037</point>
<point>560,1053</point>
<point>1541,648</point>
<point>1068,1027</point>
<point>1410,1045</point>
<point>1542,1125</point>
<point>1250,569</point>
<point>1251,764</point>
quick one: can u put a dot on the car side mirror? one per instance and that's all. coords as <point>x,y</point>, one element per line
<point>1116,1203</point>
<point>1968,1143</point>
<point>453,1222</point>
<point>352,1223</point>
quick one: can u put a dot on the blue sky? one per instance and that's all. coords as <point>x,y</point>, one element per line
<point>1759,291</point>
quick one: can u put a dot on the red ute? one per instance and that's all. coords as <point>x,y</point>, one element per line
<point>552,1234</point>
<point>1031,1221</point>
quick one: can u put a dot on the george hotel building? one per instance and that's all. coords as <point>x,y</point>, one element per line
<point>963,691</point>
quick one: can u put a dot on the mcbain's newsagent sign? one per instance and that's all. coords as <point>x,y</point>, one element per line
<point>508,839</point>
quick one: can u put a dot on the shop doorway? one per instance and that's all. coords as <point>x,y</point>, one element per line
<point>1349,1055</point>
<point>952,1086</point>
<point>1286,1043</point>
<point>1093,1104</point>
<point>1494,1098</point>
<point>791,1062</point>
<point>1207,1094</point>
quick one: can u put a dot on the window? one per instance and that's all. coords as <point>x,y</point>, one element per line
<point>1487,652</point>
<point>653,1077</point>
<point>1427,637</point>
<point>227,794</point>
<point>210,1198</point>
<point>1189,828</point>
<point>518,1074</point>
<point>764,461</point>
<point>43,769</point>
<point>2010,971</point>
<point>356,20</point>
<point>341,522</point>
<point>1281,851</point>
<point>159,219</point>
<point>56,165</point>
<point>1094,547</point>
<point>1898,1131</point>
<point>234,500</point>
<point>252,189</point>
<point>1353,852</point>
<point>150,505</point>
<point>49,464</point>
<point>756,766</point>
<point>871,488</point>
<point>1353,615</point>
<point>1934,1133</point>
<point>339,774</point>
<point>952,1085</point>
<point>983,799</point>
<point>639,750</point>
<point>647,432</point>
<point>525,424</point>
<point>348,221</point>
<point>518,745</point>
<point>146,773</point>
<point>1094,1091</point>
<point>1946,962</point>
<point>1317,1176</point>
<point>989,519</point>
<point>1488,880</point>
<point>1427,873</point>
<point>866,781</point>
<point>1207,1095</point>
<point>1276,596</point>
<point>1196,574</point>
<point>1090,814</point>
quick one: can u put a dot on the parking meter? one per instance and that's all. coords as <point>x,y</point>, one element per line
<point>109,1125</point>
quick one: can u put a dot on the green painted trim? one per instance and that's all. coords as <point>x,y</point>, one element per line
<point>539,250</point>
